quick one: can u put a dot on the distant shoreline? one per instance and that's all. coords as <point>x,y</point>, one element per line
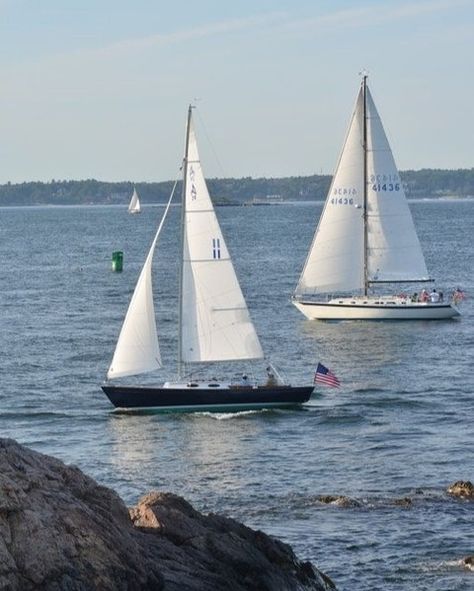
<point>420,184</point>
<point>454,199</point>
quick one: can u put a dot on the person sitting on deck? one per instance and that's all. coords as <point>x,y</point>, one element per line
<point>458,295</point>
<point>271,379</point>
<point>424,297</point>
<point>244,381</point>
<point>434,296</point>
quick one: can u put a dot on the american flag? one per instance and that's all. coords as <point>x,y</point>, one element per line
<point>325,376</point>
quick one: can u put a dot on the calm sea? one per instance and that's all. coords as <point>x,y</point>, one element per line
<point>401,425</point>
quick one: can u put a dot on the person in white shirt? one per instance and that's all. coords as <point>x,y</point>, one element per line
<point>434,296</point>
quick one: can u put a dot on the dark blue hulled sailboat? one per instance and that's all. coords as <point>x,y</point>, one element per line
<point>214,322</point>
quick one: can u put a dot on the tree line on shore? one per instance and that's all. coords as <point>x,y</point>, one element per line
<point>418,184</point>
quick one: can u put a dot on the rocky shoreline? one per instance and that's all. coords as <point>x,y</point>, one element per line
<point>60,530</point>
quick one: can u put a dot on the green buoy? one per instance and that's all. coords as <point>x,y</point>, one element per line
<point>117,261</point>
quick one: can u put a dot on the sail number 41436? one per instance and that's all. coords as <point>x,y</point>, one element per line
<point>342,201</point>
<point>386,187</point>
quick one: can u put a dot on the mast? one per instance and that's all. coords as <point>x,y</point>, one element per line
<point>364,145</point>
<point>181,267</point>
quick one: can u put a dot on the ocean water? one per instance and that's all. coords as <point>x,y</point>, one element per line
<point>400,427</point>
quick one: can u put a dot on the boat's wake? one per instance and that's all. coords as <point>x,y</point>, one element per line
<point>226,416</point>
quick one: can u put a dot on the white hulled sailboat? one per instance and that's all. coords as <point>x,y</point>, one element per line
<point>134,205</point>
<point>366,236</point>
<point>214,322</point>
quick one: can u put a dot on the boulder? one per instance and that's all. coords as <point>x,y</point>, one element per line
<point>219,550</point>
<point>468,562</point>
<point>403,502</point>
<point>462,488</point>
<point>338,500</point>
<point>61,531</point>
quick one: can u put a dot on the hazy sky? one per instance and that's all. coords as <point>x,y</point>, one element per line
<point>99,88</point>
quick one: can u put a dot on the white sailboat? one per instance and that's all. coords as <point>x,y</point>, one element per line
<point>366,237</point>
<point>134,205</point>
<point>214,322</point>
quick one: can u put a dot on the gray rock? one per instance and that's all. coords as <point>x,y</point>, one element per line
<point>403,502</point>
<point>338,500</point>
<point>61,531</point>
<point>462,488</point>
<point>233,556</point>
<point>468,562</point>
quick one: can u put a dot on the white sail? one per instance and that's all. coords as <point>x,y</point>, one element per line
<point>134,206</point>
<point>215,322</point>
<point>394,251</point>
<point>336,258</point>
<point>137,350</point>
<point>335,261</point>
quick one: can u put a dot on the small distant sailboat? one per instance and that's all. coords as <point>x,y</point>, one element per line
<point>134,206</point>
<point>214,322</point>
<point>366,236</point>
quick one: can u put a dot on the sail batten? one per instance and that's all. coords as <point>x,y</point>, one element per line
<point>213,261</point>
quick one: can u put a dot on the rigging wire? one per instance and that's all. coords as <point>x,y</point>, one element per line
<point>219,163</point>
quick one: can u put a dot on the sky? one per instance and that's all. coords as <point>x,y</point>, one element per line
<point>100,88</point>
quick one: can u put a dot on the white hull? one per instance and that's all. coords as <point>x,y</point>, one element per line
<point>374,309</point>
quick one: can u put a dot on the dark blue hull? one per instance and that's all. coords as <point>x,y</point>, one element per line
<point>196,399</point>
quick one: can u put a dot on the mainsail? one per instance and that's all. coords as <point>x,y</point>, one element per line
<point>394,251</point>
<point>366,183</point>
<point>215,322</point>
